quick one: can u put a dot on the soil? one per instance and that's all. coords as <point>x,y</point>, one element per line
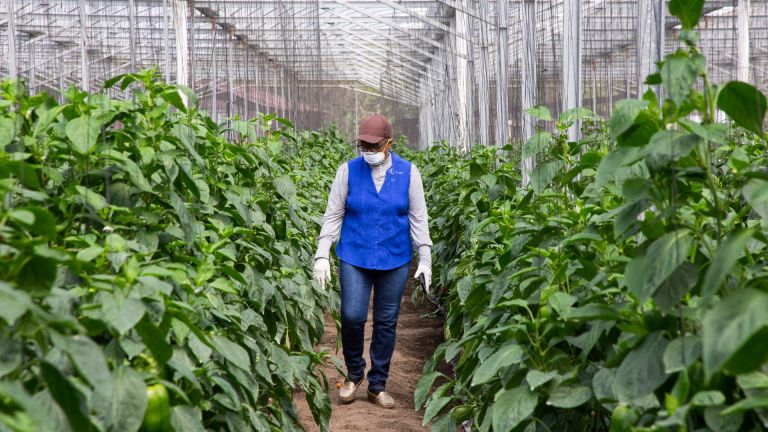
<point>417,338</point>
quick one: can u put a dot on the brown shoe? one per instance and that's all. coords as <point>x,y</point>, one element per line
<point>382,399</point>
<point>348,389</point>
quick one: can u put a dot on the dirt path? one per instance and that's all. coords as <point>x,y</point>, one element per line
<point>417,339</point>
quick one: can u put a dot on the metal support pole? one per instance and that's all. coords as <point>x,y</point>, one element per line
<point>132,33</point>
<point>85,77</point>
<point>230,77</point>
<point>528,81</point>
<point>33,69</point>
<point>502,98</point>
<point>572,61</point>
<point>289,101</point>
<point>609,68</point>
<point>650,40</point>
<point>215,81</point>
<point>258,81</point>
<point>742,68</point>
<point>192,52</point>
<point>180,9</point>
<point>61,79</point>
<point>13,68</point>
<point>463,82</point>
<point>282,92</point>
<point>594,88</point>
<point>484,84</point>
<point>166,43</point>
<point>247,89</point>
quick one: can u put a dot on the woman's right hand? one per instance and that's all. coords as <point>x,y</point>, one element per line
<point>322,271</point>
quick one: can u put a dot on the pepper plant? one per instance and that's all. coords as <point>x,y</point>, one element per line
<point>625,289</point>
<point>152,271</point>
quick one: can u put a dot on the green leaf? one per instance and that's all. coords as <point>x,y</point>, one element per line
<point>40,414</point>
<point>22,216</point>
<point>748,404</point>
<point>715,132</point>
<point>7,131</point>
<point>128,401</point>
<point>155,339</point>
<point>83,133</point>
<point>505,356</point>
<point>569,397</point>
<point>463,287</point>
<point>285,187</point>
<point>716,421</point>
<point>188,223</point>
<point>445,423</point>
<point>676,286</point>
<point>67,396</point>
<point>756,194</point>
<point>593,311</point>
<point>722,263</point>
<point>687,11</point>
<point>579,113</point>
<point>434,406</point>
<point>735,331</point>
<point>44,224</point>
<point>10,354</point>
<point>90,253</point>
<point>173,97</point>
<point>512,407</point>
<point>681,353</point>
<point>232,352</point>
<point>668,146</point>
<point>543,174</point>
<point>539,112</point>
<point>90,362</point>
<point>752,381</point>
<point>624,114</point>
<point>743,103</point>
<point>186,418</point>
<point>536,378</point>
<point>13,303</point>
<point>679,73</point>
<point>539,142</point>
<point>94,199</point>
<point>642,370</point>
<point>645,274</point>
<point>423,386</point>
<point>562,303</point>
<point>37,275</point>
<point>610,164</point>
<point>122,315</point>
<point>708,398</point>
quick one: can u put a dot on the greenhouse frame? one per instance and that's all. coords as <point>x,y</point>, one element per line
<point>438,61</point>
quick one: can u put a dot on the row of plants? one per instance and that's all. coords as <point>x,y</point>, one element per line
<point>153,272</point>
<point>626,287</point>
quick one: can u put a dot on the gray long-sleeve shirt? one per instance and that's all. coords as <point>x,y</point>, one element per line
<point>337,200</point>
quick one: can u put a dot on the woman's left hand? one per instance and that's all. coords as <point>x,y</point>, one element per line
<point>427,272</point>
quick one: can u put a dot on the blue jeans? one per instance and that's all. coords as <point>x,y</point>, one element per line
<point>388,287</point>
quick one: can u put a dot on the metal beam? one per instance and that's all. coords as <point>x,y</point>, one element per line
<point>13,68</point>
<point>502,99</point>
<point>572,60</point>
<point>742,68</point>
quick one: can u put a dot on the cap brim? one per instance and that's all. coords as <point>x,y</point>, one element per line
<point>369,138</point>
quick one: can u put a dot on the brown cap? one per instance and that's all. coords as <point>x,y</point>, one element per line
<point>374,128</point>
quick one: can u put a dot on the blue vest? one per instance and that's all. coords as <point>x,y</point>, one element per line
<point>375,233</point>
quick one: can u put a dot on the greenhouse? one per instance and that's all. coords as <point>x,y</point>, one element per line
<point>390,215</point>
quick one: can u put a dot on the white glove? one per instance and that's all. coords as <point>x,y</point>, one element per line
<point>322,271</point>
<point>427,272</point>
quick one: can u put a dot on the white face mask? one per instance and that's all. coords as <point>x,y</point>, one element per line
<point>374,158</point>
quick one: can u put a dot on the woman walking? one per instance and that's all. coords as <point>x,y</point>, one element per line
<point>377,206</point>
